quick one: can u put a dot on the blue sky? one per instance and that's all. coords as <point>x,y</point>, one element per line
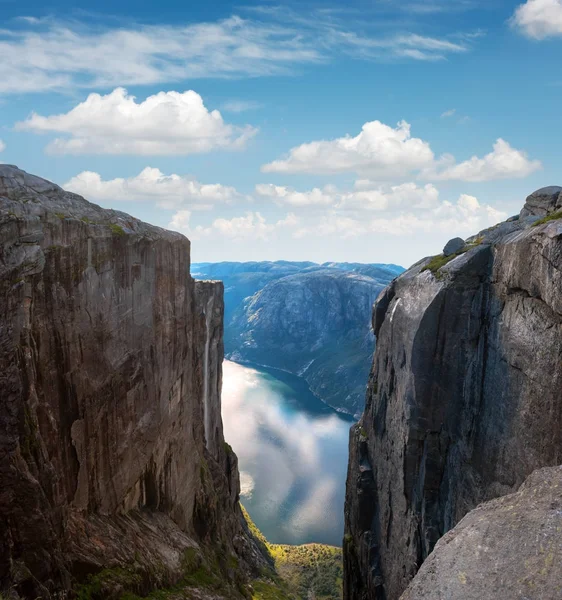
<point>368,131</point>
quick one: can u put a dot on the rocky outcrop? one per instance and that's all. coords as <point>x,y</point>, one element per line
<point>510,547</point>
<point>304,318</point>
<point>111,447</point>
<point>464,398</point>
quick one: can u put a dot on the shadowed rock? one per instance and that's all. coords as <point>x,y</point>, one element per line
<point>464,398</point>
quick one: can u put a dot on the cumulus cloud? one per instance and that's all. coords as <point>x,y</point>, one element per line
<point>466,215</point>
<point>165,123</point>
<point>448,113</point>
<point>288,196</point>
<point>49,54</point>
<point>367,195</point>
<point>383,152</point>
<point>502,163</point>
<point>251,226</point>
<point>539,19</point>
<point>167,191</point>
<point>379,150</point>
<point>2,146</point>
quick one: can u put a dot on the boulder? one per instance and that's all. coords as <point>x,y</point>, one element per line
<point>510,547</point>
<point>543,202</point>
<point>453,246</point>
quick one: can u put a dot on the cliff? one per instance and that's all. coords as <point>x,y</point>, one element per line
<point>114,474</point>
<point>311,320</point>
<point>464,397</point>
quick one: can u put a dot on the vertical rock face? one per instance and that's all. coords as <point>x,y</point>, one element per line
<point>111,444</point>
<point>464,398</point>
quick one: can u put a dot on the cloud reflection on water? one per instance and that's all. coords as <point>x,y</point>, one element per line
<point>293,462</point>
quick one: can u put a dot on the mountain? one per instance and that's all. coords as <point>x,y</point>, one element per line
<point>464,403</point>
<point>311,320</point>
<point>115,478</point>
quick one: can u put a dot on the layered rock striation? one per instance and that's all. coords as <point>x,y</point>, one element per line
<point>112,454</point>
<point>464,398</point>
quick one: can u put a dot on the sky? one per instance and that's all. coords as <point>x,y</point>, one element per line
<point>368,131</point>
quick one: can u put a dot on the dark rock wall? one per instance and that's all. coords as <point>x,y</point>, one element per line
<point>110,376</point>
<point>464,399</point>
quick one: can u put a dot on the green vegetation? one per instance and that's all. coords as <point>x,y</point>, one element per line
<point>267,591</point>
<point>60,215</point>
<point>552,217</point>
<point>116,229</point>
<point>313,568</point>
<point>441,260</point>
<point>97,585</point>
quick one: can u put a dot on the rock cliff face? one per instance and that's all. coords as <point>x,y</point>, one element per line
<point>305,318</point>
<point>464,398</point>
<point>111,447</point>
<point>506,548</point>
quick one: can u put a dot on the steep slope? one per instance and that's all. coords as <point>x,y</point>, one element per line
<point>114,473</point>
<point>464,398</point>
<point>506,548</point>
<point>304,318</point>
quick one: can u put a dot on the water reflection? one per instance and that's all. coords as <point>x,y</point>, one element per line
<point>292,451</point>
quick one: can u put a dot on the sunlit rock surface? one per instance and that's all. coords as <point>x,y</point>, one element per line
<point>464,398</point>
<point>510,547</point>
<point>111,445</point>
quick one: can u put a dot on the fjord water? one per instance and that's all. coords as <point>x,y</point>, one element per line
<point>292,450</point>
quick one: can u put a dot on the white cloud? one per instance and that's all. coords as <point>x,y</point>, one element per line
<point>288,196</point>
<point>167,191</point>
<point>2,146</point>
<point>465,216</point>
<point>539,19</point>
<point>366,196</point>
<point>448,113</point>
<point>46,54</point>
<point>166,123</point>
<point>382,152</point>
<point>251,226</point>
<point>502,163</point>
<point>379,150</point>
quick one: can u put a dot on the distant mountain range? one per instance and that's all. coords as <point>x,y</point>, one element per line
<point>311,319</point>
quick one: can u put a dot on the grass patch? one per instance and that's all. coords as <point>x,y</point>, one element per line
<point>60,215</point>
<point>311,570</point>
<point>97,585</point>
<point>267,591</point>
<point>437,262</point>
<point>116,229</point>
<point>552,217</point>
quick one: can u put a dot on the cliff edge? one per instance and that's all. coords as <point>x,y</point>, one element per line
<point>114,473</point>
<point>464,398</point>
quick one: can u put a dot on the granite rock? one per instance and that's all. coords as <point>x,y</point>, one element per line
<point>111,444</point>
<point>510,547</point>
<point>453,246</point>
<point>464,399</point>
